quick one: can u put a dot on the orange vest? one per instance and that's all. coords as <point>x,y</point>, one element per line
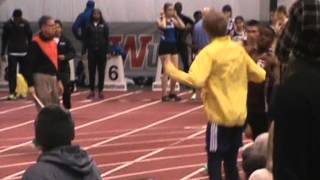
<point>49,48</point>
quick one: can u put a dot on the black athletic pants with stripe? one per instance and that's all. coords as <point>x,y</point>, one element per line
<point>222,145</point>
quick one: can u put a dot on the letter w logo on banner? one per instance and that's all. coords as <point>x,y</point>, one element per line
<point>137,54</point>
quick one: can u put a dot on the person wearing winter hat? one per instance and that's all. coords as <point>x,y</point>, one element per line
<point>54,132</point>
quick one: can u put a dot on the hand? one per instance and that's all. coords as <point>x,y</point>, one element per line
<point>32,92</point>
<point>161,14</point>
<point>60,87</point>
<point>61,57</point>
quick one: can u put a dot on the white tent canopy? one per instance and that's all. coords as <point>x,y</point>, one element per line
<point>128,10</point>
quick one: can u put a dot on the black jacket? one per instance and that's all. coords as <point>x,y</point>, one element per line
<point>65,48</point>
<point>38,62</point>
<point>63,163</point>
<point>96,38</point>
<point>183,33</point>
<point>16,37</point>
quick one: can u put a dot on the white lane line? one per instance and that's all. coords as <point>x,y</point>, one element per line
<point>28,163</point>
<point>30,104</point>
<point>84,125</point>
<point>146,150</point>
<point>189,176</point>
<point>153,171</point>
<point>73,109</point>
<point>117,137</point>
<point>126,175</point>
<point>172,146</point>
<point>155,159</point>
<point>97,138</point>
<point>201,178</point>
<point>143,128</point>
<point>151,153</point>
<point>98,120</point>
<point>16,109</point>
<point>12,176</point>
<point>145,142</point>
<point>105,154</point>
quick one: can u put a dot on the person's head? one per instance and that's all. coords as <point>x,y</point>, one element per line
<point>239,23</point>
<point>58,27</point>
<point>227,11</point>
<point>96,15</point>
<point>197,16</point>
<point>266,38</point>
<point>54,127</point>
<point>252,161</point>
<point>17,15</point>
<point>281,12</point>
<point>252,31</point>
<point>280,16</point>
<point>168,10</point>
<point>90,4</point>
<point>215,24</point>
<point>178,7</point>
<point>47,26</point>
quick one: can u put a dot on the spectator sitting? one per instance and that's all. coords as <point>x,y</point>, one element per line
<point>257,158</point>
<point>54,131</point>
<point>266,172</point>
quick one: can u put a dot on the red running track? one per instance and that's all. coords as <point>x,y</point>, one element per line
<point>131,135</point>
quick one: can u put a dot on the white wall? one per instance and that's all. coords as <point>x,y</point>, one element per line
<point>121,10</point>
<point>287,3</point>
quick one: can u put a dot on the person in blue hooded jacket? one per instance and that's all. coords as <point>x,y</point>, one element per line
<point>81,22</point>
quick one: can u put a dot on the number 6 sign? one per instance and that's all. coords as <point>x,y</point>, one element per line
<point>115,80</point>
<point>113,72</point>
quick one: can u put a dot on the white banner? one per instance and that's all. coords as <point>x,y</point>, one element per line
<point>123,10</point>
<point>287,3</point>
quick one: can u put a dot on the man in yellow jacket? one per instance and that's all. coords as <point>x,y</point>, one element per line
<point>222,69</point>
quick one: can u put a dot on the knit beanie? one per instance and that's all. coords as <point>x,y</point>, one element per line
<point>54,127</point>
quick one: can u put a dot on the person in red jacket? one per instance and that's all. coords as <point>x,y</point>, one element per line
<point>42,71</point>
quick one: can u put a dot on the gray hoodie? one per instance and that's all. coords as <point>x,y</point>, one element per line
<point>63,163</point>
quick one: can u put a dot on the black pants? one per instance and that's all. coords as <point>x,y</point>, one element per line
<point>222,144</point>
<point>96,60</point>
<point>65,78</point>
<point>258,122</point>
<point>296,128</point>
<point>183,52</point>
<point>13,61</point>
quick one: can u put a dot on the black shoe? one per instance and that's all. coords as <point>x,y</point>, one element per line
<point>165,98</point>
<point>90,95</point>
<point>101,95</point>
<point>174,97</point>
